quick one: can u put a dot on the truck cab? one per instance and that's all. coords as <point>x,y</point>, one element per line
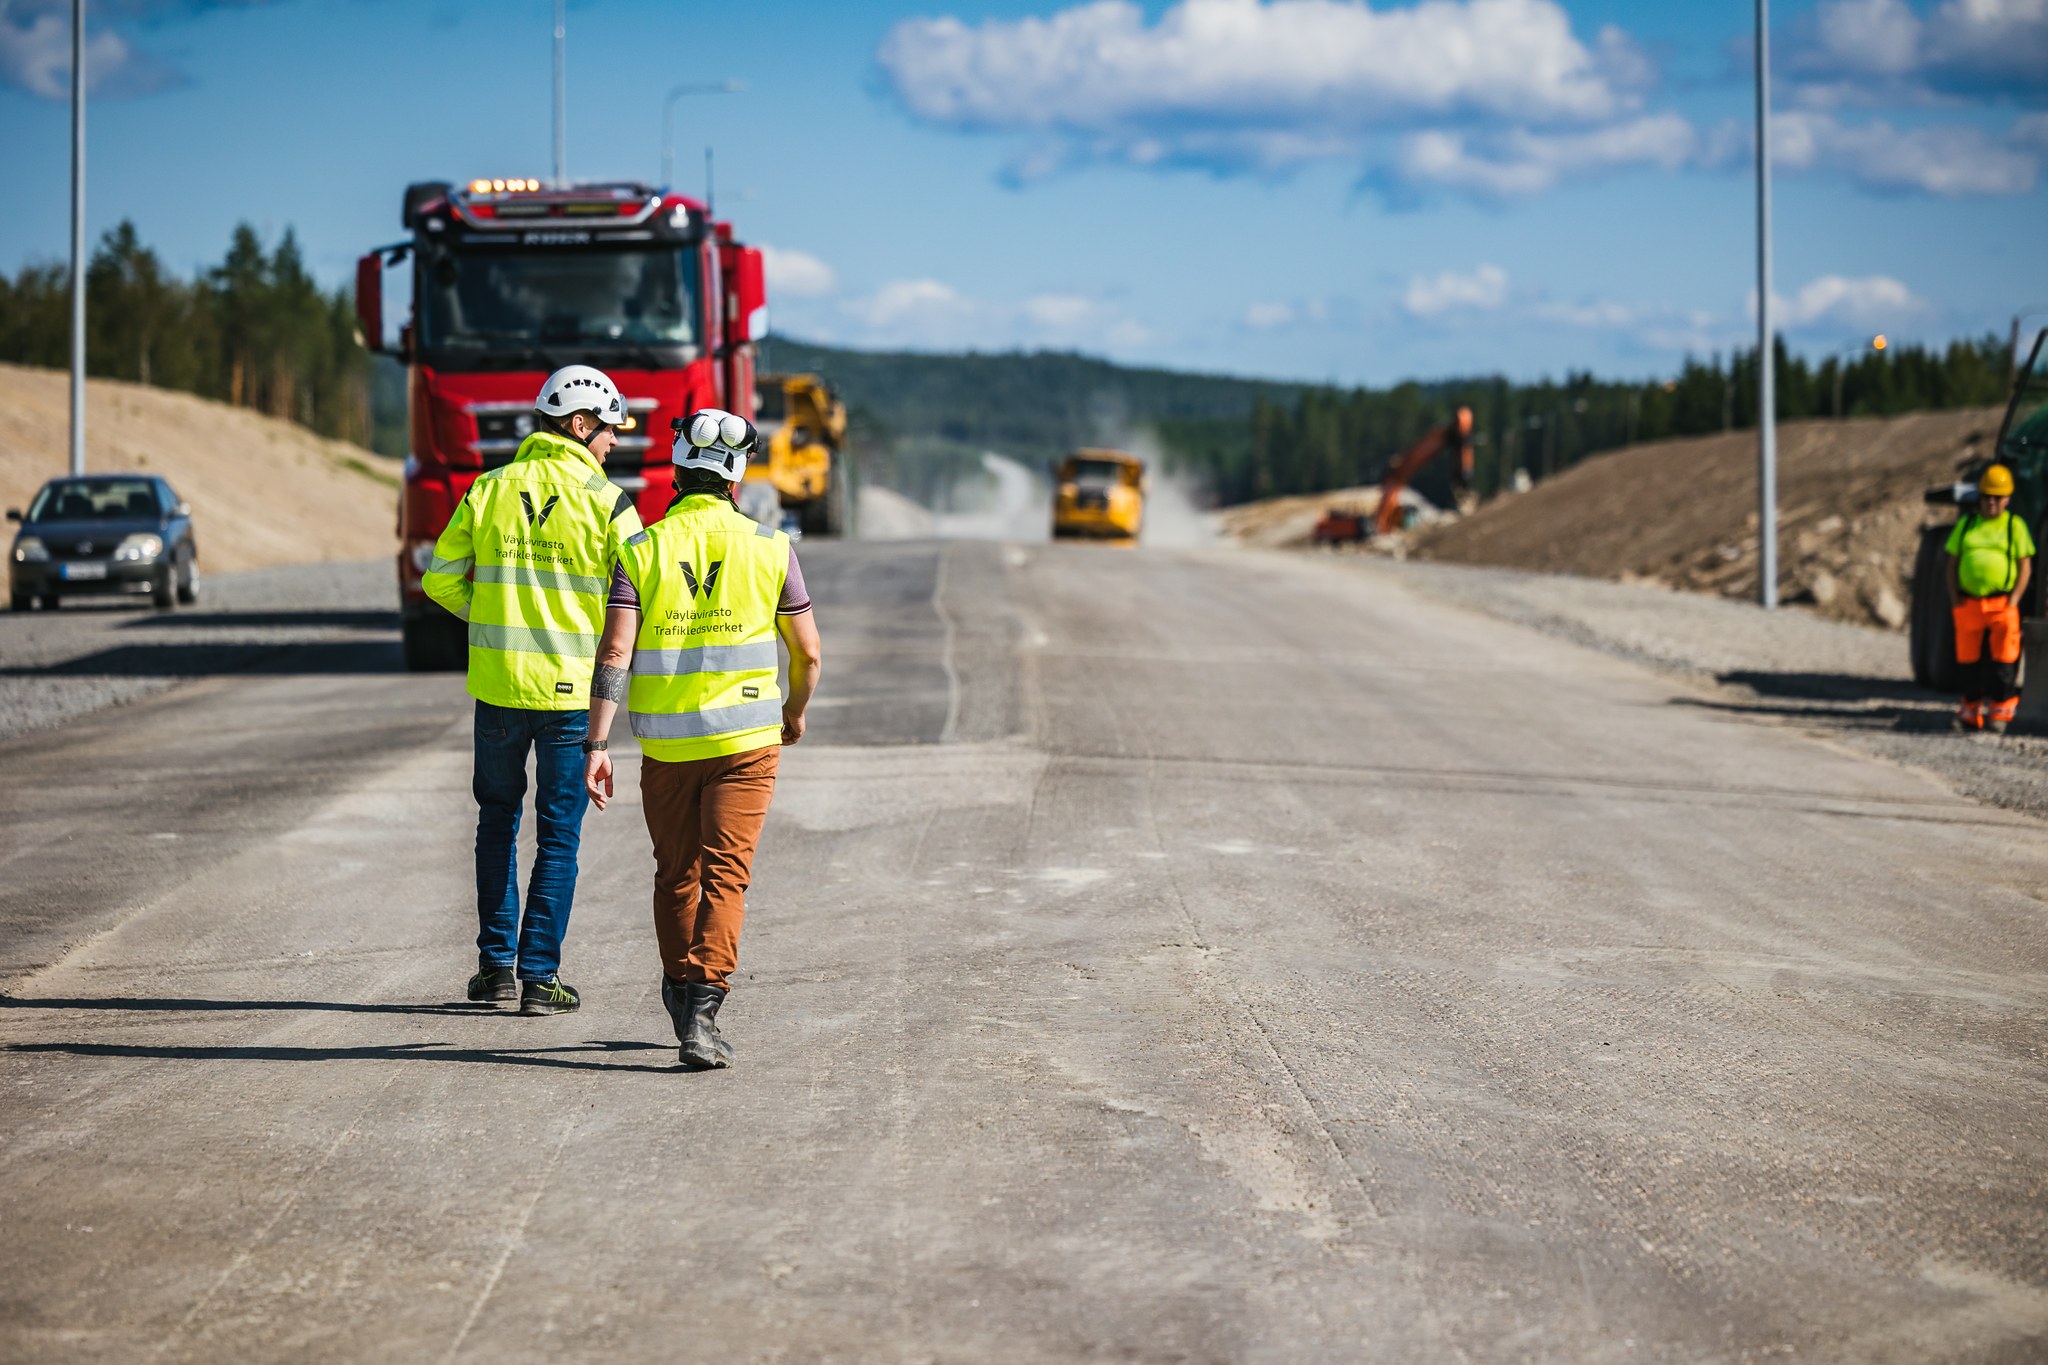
<point>509,281</point>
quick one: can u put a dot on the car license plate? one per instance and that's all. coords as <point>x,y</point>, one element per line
<point>75,572</point>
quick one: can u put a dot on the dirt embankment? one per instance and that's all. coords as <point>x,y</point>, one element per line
<point>1682,514</point>
<point>263,492</point>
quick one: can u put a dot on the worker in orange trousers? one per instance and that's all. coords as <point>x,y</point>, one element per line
<point>1991,561</point>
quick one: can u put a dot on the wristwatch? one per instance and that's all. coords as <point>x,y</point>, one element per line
<point>595,746</point>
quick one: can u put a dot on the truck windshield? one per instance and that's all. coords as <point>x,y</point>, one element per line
<point>593,296</point>
<point>1097,473</point>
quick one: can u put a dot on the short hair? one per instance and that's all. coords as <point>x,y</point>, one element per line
<point>693,481</point>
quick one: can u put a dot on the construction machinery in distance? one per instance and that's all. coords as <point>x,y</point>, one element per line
<point>799,478</point>
<point>2022,447</point>
<point>1454,438</point>
<point>1099,495</point>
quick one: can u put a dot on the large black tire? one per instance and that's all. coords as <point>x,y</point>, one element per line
<point>436,643</point>
<point>1932,637</point>
<point>188,585</point>
<point>165,593</point>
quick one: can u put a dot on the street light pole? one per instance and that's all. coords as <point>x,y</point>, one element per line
<point>561,98</point>
<point>668,123</point>
<point>77,236</point>
<point>1766,359</point>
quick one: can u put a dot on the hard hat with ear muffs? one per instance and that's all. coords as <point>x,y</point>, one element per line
<point>715,440</point>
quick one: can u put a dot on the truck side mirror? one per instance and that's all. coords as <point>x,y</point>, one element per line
<point>370,301</point>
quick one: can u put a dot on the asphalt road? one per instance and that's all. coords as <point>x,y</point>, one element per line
<point>1153,956</point>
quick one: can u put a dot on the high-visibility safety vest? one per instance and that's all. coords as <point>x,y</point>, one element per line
<point>704,662</point>
<point>541,535</point>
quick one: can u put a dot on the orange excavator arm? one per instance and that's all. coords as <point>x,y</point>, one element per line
<point>1454,436</point>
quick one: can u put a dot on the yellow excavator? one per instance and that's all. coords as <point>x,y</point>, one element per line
<point>797,479</point>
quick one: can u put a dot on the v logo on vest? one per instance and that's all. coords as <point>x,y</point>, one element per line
<point>540,518</point>
<point>710,578</point>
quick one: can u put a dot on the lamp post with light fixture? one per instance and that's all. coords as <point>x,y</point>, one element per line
<point>1877,343</point>
<point>77,237</point>
<point>668,123</point>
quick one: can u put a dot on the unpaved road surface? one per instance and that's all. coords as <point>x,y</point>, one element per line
<point>1154,956</point>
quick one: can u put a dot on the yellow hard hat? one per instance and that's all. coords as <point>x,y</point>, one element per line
<point>1996,483</point>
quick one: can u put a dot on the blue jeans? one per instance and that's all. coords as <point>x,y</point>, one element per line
<point>503,737</point>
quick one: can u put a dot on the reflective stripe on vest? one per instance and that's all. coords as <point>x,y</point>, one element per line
<point>540,578</point>
<point>704,662</point>
<point>706,659</point>
<point>566,644</point>
<point>749,715</point>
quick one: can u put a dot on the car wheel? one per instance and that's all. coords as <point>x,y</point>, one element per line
<point>166,592</point>
<point>188,591</point>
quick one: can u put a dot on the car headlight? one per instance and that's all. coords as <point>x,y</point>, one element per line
<point>140,547</point>
<point>28,549</point>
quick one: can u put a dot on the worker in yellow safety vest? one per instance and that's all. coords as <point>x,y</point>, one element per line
<point>526,560</point>
<point>1991,561</point>
<point>697,606</point>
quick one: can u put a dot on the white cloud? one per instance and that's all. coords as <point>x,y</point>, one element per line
<point>1873,302</point>
<point>35,51</point>
<point>35,45</point>
<point>797,274</point>
<point>1256,84</point>
<point>930,314</point>
<point>1482,290</point>
<point>1950,160</point>
<point>1880,50</point>
<point>1521,162</point>
<point>1267,317</point>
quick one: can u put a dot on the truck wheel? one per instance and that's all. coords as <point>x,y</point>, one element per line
<point>435,644</point>
<point>20,601</point>
<point>1932,636</point>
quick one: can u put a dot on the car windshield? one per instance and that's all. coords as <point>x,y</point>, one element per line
<point>2028,427</point>
<point>96,500</point>
<point>596,295</point>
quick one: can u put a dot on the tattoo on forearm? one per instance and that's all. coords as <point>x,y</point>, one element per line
<point>610,682</point>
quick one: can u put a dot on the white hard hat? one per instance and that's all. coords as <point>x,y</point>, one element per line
<point>580,388</point>
<point>715,440</point>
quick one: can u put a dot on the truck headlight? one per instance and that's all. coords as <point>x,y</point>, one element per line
<point>29,550</point>
<point>139,548</point>
<point>422,554</point>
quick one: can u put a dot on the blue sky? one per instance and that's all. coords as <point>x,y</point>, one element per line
<point>1302,188</point>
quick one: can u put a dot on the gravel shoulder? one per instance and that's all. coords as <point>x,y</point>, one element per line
<point>58,666</point>
<point>1838,682</point>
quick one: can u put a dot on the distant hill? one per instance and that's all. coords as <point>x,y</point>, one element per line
<point>1036,405</point>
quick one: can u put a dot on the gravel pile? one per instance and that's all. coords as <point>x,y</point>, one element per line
<point>1848,684</point>
<point>55,666</point>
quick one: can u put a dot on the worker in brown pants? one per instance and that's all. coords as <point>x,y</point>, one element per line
<point>697,605</point>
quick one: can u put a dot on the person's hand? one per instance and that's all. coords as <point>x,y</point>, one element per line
<point>792,727</point>
<point>597,778</point>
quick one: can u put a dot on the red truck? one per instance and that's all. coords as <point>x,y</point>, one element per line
<point>511,281</point>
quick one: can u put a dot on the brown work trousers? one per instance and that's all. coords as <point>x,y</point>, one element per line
<point>705,815</point>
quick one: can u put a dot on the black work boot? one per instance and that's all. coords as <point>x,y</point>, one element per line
<point>672,1000</point>
<point>703,1048</point>
<point>552,996</point>
<point>492,984</point>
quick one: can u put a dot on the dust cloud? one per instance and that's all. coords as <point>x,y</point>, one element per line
<point>1008,500</point>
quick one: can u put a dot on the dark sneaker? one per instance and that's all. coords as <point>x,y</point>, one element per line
<point>551,996</point>
<point>491,984</point>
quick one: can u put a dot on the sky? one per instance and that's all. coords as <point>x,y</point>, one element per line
<point>1309,189</point>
